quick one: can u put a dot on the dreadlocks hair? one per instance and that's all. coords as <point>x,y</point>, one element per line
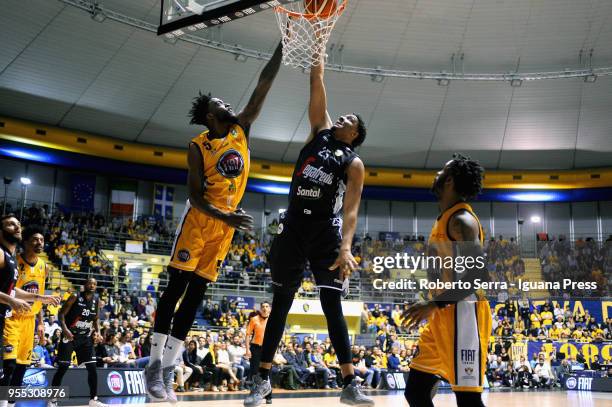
<point>31,231</point>
<point>467,176</point>
<point>361,132</point>
<point>199,109</point>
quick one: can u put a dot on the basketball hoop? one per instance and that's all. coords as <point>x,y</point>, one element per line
<point>306,27</point>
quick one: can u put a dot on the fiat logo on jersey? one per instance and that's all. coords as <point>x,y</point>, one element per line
<point>231,164</point>
<point>115,382</point>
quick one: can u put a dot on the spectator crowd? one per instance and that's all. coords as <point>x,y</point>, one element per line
<point>217,359</point>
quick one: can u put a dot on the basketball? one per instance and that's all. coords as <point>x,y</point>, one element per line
<point>321,8</point>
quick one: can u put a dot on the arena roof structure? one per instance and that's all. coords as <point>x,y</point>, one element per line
<point>108,73</point>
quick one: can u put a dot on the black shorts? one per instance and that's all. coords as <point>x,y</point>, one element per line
<point>300,239</point>
<point>82,346</point>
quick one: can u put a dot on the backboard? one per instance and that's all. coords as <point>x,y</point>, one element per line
<point>179,17</point>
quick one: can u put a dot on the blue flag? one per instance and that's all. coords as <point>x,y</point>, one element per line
<point>83,191</point>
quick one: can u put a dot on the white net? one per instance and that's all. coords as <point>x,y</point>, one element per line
<point>305,34</point>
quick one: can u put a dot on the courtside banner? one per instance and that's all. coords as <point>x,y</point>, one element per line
<point>582,382</point>
<point>111,382</point>
<point>398,380</point>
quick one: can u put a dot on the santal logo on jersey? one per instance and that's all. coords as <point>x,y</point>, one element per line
<point>312,193</point>
<point>231,164</point>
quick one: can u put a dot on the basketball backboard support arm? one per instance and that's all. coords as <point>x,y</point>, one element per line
<point>180,17</point>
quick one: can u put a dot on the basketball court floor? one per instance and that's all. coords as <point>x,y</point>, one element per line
<point>556,398</point>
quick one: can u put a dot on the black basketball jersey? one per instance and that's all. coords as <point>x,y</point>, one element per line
<point>8,278</point>
<point>319,177</point>
<point>80,318</point>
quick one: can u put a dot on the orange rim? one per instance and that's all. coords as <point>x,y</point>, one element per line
<point>311,16</point>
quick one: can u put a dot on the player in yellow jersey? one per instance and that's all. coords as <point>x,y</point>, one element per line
<point>453,344</point>
<point>218,161</point>
<point>20,326</point>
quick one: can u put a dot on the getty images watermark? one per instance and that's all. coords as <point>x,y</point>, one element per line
<point>438,268</point>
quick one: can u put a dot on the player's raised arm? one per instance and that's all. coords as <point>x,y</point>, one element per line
<point>197,187</point>
<point>317,108</point>
<point>250,112</point>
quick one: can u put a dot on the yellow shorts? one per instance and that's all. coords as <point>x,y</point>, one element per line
<point>201,244</point>
<point>454,345</point>
<point>19,338</point>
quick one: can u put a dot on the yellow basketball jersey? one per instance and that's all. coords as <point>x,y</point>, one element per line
<point>442,245</point>
<point>226,167</point>
<point>31,279</point>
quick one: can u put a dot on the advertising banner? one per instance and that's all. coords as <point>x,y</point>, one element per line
<point>111,382</point>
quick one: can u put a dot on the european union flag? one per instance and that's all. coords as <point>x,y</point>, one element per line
<point>83,191</point>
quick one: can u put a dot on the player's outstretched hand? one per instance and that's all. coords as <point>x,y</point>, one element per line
<point>19,306</point>
<point>51,300</point>
<point>416,313</point>
<point>346,263</point>
<point>239,220</point>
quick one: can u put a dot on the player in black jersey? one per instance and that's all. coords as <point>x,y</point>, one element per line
<point>318,226</point>
<point>79,319</point>
<point>12,299</point>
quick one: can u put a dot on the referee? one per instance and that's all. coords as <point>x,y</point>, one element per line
<point>254,339</point>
